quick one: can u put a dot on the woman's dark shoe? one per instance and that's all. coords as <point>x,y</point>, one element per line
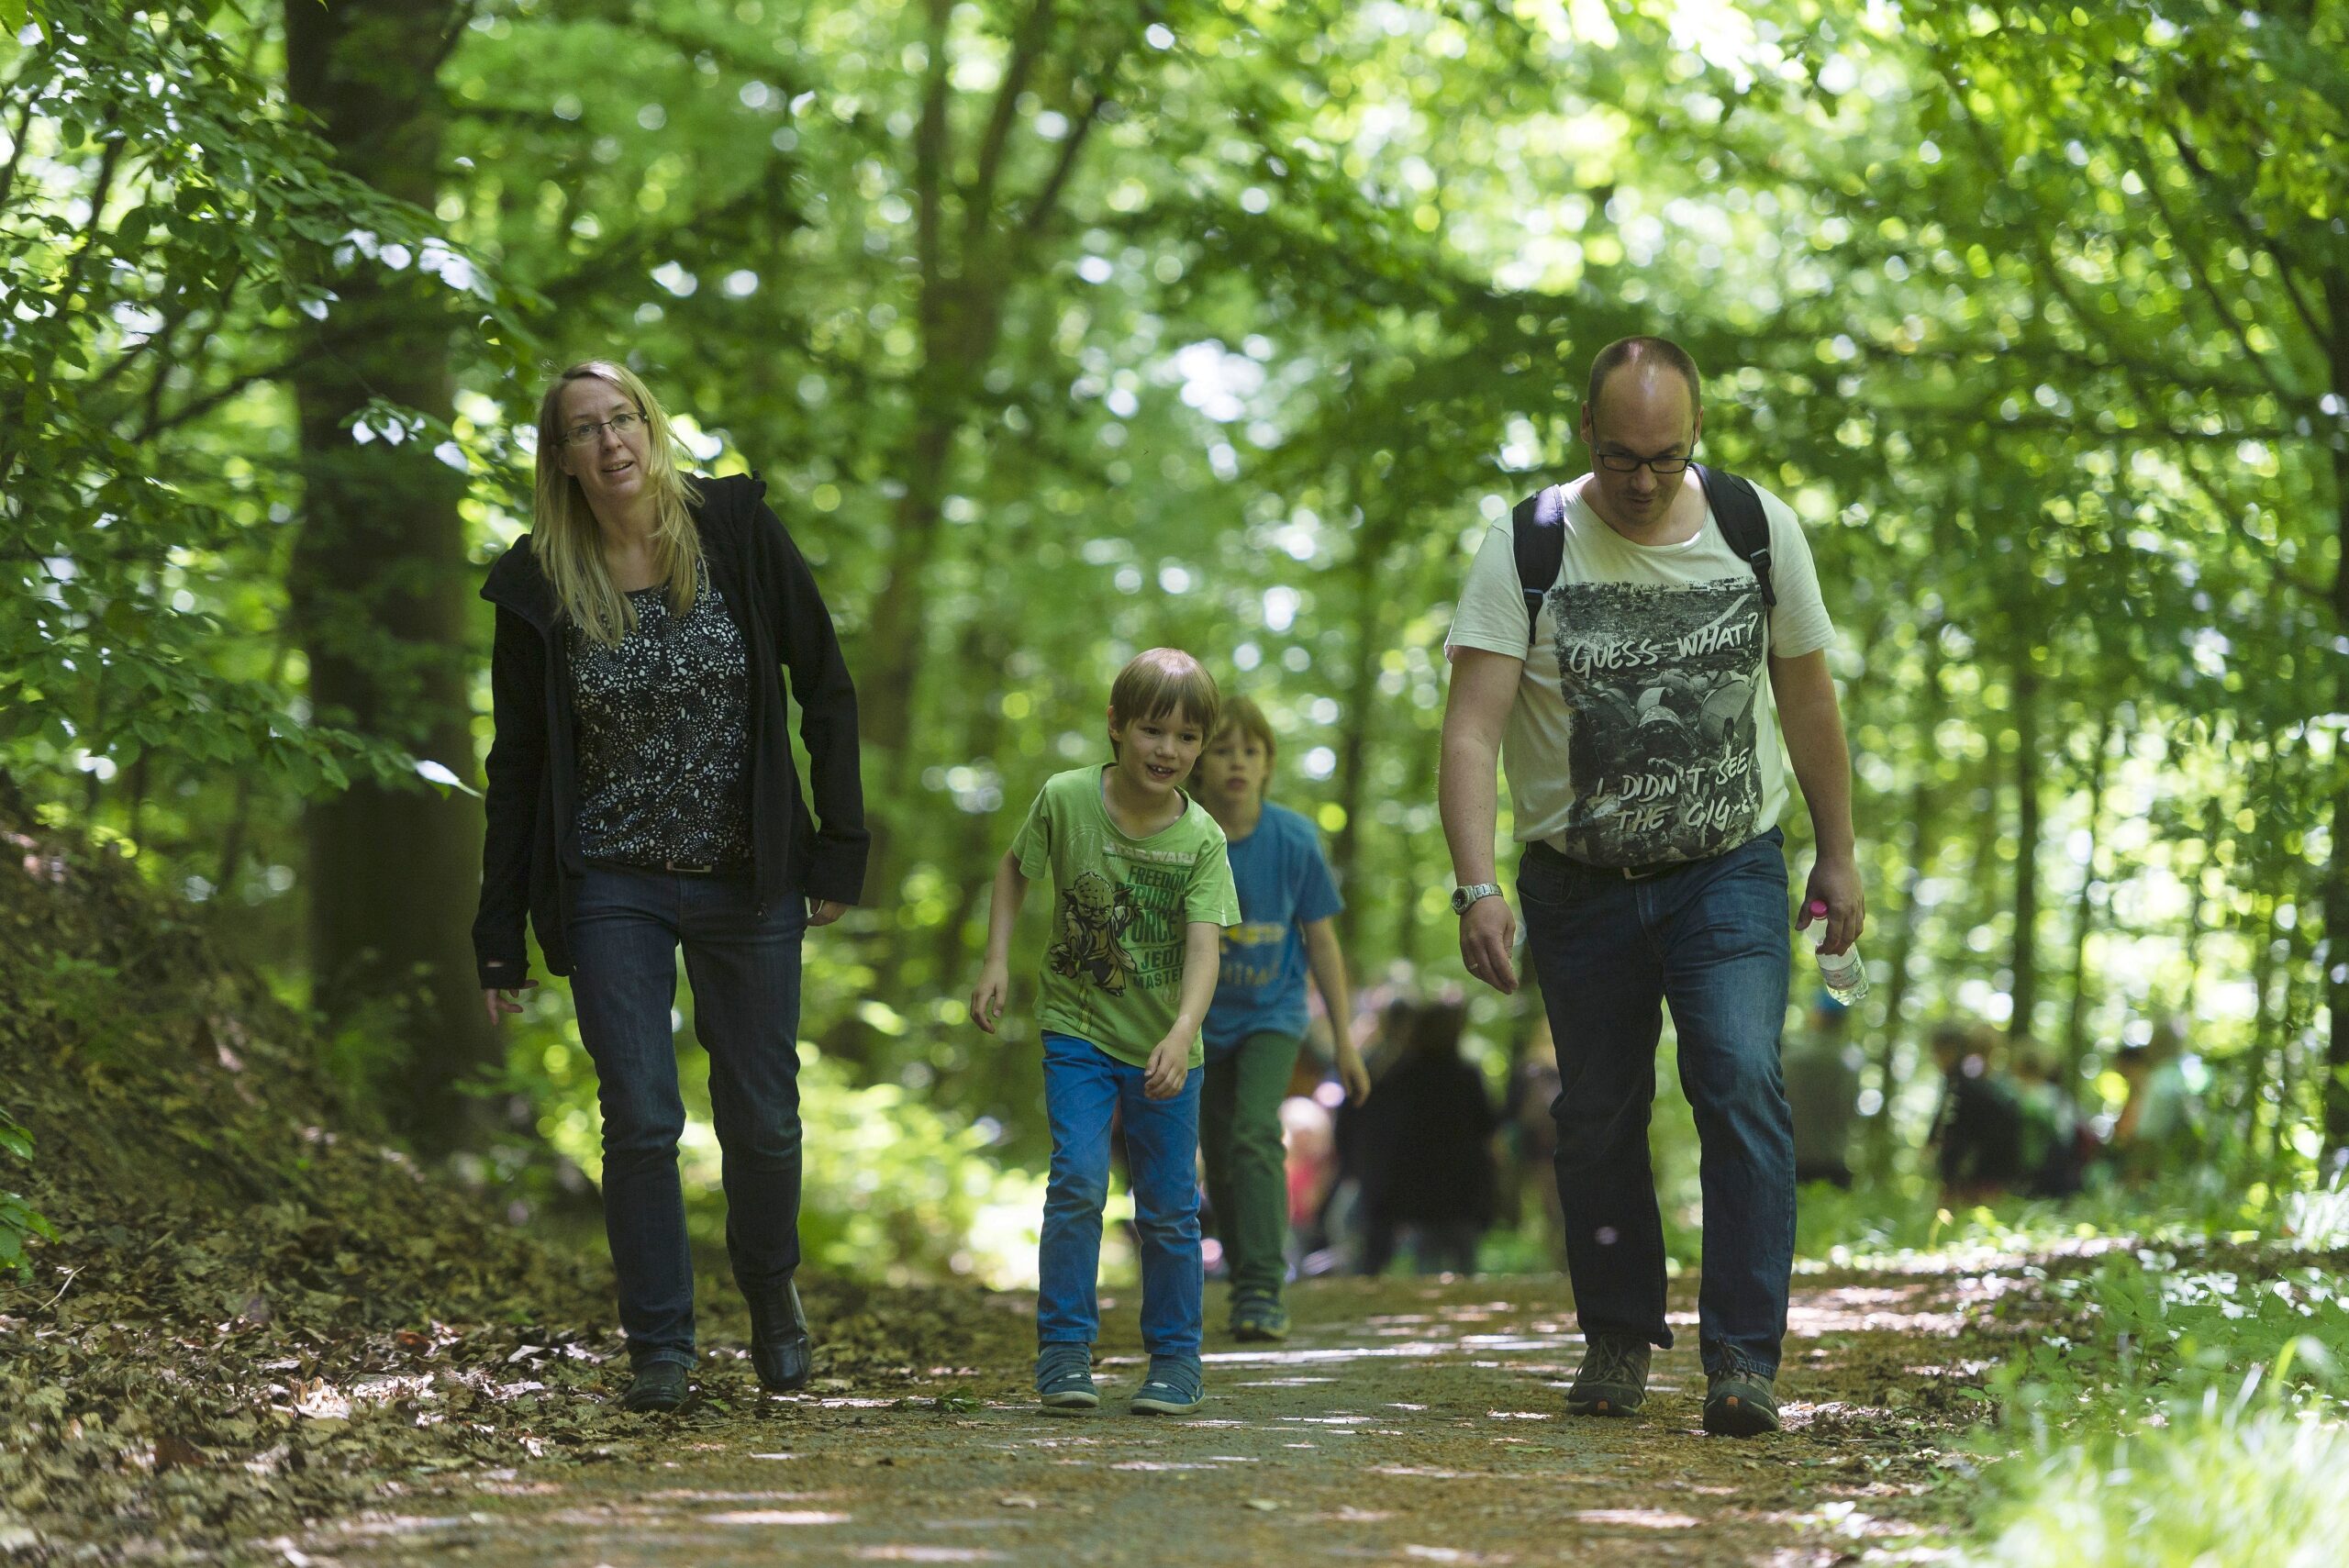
<point>780,1351</point>
<point>657,1388</point>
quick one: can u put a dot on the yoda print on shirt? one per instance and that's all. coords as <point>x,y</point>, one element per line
<point>1094,916</point>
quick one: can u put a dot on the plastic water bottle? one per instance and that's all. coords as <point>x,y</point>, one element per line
<point>1846,977</point>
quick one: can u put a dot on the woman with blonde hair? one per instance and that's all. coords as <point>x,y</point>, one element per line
<point>642,797</point>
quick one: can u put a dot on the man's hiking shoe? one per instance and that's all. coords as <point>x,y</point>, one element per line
<point>1613,1380</point>
<point>1740,1403</point>
<point>1065,1378</point>
<point>1259,1319</point>
<point>657,1388</point>
<point>1173,1387</point>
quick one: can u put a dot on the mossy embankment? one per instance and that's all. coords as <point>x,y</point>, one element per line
<point>257,1311</point>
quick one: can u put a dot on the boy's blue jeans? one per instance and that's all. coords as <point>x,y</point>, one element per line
<point>1711,938</point>
<point>626,928</point>
<point>1084,1087</point>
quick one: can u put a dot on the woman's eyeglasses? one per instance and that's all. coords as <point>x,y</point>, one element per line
<point>621,424</point>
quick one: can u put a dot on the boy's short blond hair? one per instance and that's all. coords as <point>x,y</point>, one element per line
<point>1243,714</point>
<point>1162,680</point>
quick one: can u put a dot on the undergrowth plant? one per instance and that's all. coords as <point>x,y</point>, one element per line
<point>19,1219</point>
<point>2186,1409</point>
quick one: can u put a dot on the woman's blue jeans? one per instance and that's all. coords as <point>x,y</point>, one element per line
<point>1711,939</point>
<point>626,927</point>
<point>1084,1087</point>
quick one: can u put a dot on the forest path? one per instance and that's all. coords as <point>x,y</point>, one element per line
<point>1405,1420</point>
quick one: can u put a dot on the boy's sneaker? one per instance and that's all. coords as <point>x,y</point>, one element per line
<point>1740,1403</point>
<point>1613,1379</point>
<point>1173,1388</point>
<point>1260,1318</point>
<point>1065,1377</point>
<point>657,1388</point>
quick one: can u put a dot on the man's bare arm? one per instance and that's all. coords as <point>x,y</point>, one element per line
<point>1475,713</point>
<point>1813,723</point>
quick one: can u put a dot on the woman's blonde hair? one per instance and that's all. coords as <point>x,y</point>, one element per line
<point>563,535</point>
<point>1243,714</point>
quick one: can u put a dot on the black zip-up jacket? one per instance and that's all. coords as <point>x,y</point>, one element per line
<point>530,863</point>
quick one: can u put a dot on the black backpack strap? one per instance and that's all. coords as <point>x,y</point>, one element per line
<point>1539,528</point>
<point>1737,506</point>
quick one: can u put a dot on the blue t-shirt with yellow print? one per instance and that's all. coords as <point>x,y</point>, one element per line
<point>1284,884</point>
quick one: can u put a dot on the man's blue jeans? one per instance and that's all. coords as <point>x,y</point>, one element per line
<point>626,927</point>
<point>1084,1087</point>
<point>1711,939</point>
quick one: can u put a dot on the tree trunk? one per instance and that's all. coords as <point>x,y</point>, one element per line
<point>379,588</point>
<point>2336,968</point>
<point>971,855</point>
<point>2214,821</point>
<point>2266,1031</point>
<point>2076,1021</point>
<point>893,655</point>
<point>1880,1141</point>
<point>968,272</point>
<point>1880,1133</point>
<point>2336,878</point>
<point>2288,1087</point>
<point>1371,548</point>
<point>2025,968</point>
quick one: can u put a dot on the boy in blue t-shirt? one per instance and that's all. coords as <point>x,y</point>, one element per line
<point>1287,900</point>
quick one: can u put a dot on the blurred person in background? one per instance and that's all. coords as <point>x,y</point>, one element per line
<point>1310,1166</point>
<point>2160,1124</point>
<point>1978,1131</point>
<point>1427,1152</point>
<point>2055,1144</point>
<point>1823,1073</point>
<point>1342,1209</point>
<point>1528,1140</point>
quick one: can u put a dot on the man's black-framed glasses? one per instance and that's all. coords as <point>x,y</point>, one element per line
<point>1662,467</point>
<point>622,424</point>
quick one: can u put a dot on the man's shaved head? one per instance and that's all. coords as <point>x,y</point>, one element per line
<point>1656,355</point>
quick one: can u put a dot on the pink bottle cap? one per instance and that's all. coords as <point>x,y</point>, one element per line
<point>1817,906</point>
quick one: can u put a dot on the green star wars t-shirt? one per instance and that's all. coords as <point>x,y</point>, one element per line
<point>1113,974</point>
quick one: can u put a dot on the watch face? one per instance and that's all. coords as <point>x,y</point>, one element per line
<point>1459,901</point>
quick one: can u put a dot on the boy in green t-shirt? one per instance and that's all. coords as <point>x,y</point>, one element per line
<point>1142,890</point>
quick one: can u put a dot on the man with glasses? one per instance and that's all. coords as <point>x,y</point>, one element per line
<point>1646,774</point>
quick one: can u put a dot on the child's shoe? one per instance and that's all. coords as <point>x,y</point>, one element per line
<point>1065,1377</point>
<point>1259,1318</point>
<point>1173,1388</point>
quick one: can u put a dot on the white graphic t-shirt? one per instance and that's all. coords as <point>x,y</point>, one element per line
<point>1643,731</point>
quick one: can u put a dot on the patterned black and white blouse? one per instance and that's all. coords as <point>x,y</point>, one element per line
<point>664,738</point>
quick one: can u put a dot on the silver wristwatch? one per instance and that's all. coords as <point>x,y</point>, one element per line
<point>1464,896</point>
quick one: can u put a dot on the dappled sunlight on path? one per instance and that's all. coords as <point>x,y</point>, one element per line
<point>1405,1421</point>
